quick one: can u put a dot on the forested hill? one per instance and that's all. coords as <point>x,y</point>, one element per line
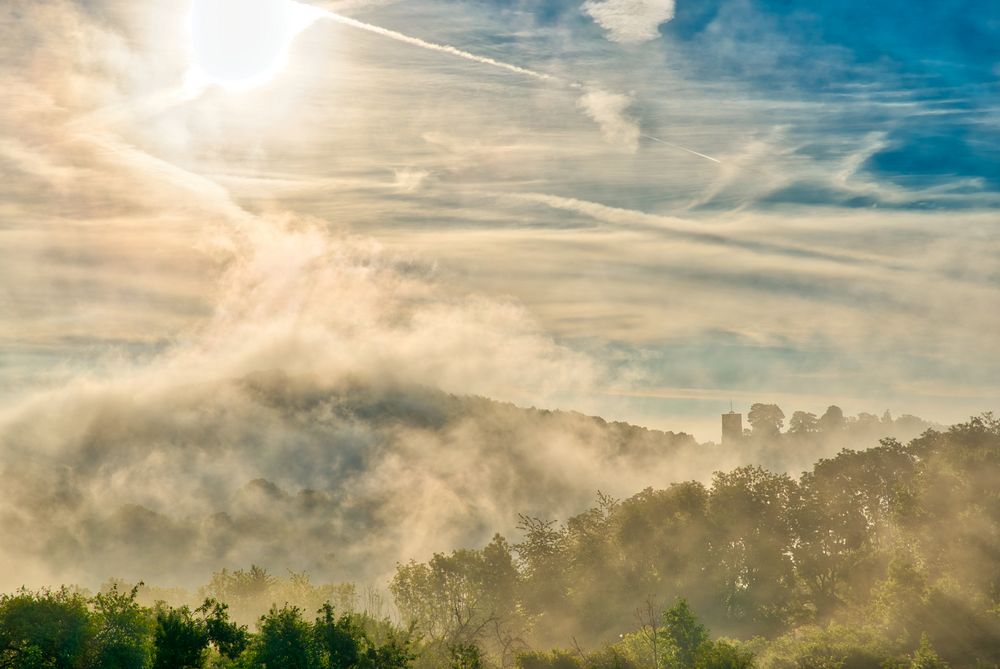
<point>879,558</point>
<point>343,481</point>
<point>423,407</point>
<point>848,566</point>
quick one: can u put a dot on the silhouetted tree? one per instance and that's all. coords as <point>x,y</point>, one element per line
<point>766,420</point>
<point>832,420</point>
<point>803,422</point>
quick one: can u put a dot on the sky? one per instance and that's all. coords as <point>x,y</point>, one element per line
<point>641,209</point>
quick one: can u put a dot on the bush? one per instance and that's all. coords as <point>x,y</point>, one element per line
<point>52,629</point>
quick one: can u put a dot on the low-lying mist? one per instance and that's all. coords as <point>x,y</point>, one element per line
<point>309,425</point>
<point>340,480</point>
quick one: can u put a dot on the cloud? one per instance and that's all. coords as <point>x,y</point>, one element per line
<point>308,373</point>
<point>630,21</point>
<point>610,112</point>
<point>237,371</point>
<point>410,180</point>
<point>148,479</point>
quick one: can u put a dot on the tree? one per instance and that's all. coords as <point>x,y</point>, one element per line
<point>609,658</point>
<point>685,634</point>
<point>395,653</point>
<point>338,640</point>
<point>47,629</point>
<point>556,659</point>
<point>832,420</point>
<point>542,561</point>
<point>844,515</point>
<point>284,640</point>
<point>661,537</point>
<point>724,655</point>
<point>467,597</point>
<point>752,534</point>
<point>247,592</point>
<point>466,656</point>
<point>924,657</point>
<point>765,419</point>
<point>867,422</point>
<point>180,640</point>
<point>228,638</point>
<point>649,629</point>
<point>803,422</point>
<point>125,634</point>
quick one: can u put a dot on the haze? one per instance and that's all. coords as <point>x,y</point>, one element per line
<point>636,210</point>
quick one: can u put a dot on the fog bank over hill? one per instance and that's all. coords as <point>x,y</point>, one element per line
<point>342,480</point>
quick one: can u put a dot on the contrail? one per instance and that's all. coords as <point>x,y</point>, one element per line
<point>483,60</point>
<point>443,48</point>
<point>682,148</point>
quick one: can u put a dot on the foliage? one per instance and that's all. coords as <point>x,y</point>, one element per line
<point>466,656</point>
<point>885,557</point>
<point>125,638</point>
<point>46,629</point>
<point>249,593</point>
<point>555,659</point>
<point>338,639</point>
<point>284,640</point>
<point>925,657</point>
<point>467,598</point>
<point>723,655</point>
<point>685,635</point>
<point>229,639</point>
<point>180,640</point>
<point>765,419</point>
<point>845,566</point>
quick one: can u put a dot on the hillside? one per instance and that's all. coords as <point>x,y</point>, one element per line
<point>343,481</point>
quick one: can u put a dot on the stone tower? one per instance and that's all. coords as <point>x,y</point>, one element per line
<point>732,428</point>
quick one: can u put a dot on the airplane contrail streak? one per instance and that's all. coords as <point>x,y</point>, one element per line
<point>483,60</point>
<point>682,148</point>
<point>443,48</point>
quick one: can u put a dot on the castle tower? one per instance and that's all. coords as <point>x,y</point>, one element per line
<point>732,428</point>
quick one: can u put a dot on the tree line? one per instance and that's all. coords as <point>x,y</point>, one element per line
<point>861,556</point>
<point>885,557</point>
<point>66,629</point>
<point>767,420</point>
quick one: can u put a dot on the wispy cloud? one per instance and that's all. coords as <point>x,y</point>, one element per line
<point>608,109</point>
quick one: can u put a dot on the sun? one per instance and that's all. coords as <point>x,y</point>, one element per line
<point>241,43</point>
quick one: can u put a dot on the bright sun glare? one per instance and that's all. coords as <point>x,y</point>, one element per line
<point>239,43</point>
